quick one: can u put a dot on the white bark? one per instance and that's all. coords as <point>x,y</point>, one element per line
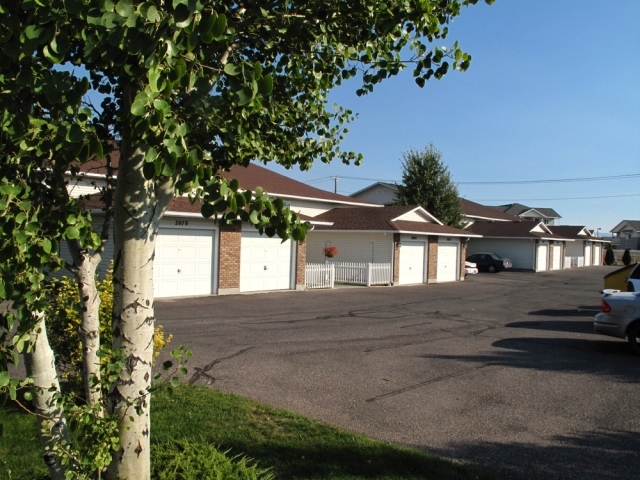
<point>139,206</point>
<point>40,366</point>
<point>84,269</point>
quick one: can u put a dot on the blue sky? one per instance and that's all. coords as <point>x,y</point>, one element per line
<point>553,92</point>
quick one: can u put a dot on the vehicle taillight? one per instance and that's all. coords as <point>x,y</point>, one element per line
<point>629,287</point>
<point>604,306</point>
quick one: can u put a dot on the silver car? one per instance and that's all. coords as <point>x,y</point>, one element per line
<point>620,316</point>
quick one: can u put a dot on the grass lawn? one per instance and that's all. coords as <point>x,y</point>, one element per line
<point>293,447</point>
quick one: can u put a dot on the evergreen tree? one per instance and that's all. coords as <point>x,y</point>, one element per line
<point>626,257</point>
<point>609,256</point>
<point>426,181</point>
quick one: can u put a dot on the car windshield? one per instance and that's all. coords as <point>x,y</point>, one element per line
<point>496,257</point>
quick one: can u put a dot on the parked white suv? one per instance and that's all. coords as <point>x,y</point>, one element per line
<point>620,316</point>
<point>633,282</point>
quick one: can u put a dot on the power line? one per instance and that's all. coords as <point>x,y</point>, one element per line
<point>548,199</point>
<point>559,180</point>
<point>502,182</point>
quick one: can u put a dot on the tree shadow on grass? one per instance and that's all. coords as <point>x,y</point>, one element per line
<point>598,455</point>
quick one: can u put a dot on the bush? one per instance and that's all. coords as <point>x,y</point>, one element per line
<point>626,257</point>
<point>609,256</point>
<point>197,461</point>
<point>63,323</point>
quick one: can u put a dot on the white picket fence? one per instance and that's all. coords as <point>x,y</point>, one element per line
<point>325,275</point>
<point>319,275</point>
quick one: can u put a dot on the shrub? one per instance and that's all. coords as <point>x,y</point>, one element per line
<point>626,257</point>
<point>63,322</point>
<point>609,256</point>
<point>197,461</point>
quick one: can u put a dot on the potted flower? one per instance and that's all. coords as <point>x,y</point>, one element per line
<point>330,251</point>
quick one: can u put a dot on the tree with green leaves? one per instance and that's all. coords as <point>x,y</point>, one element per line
<point>426,181</point>
<point>609,256</point>
<point>188,88</point>
<point>626,257</point>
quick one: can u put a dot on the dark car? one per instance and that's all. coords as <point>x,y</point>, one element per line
<point>489,262</point>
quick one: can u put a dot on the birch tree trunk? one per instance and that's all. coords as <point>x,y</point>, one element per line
<point>84,269</point>
<point>139,205</point>
<point>40,365</point>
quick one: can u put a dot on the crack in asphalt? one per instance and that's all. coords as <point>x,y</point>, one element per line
<point>427,382</point>
<point>202,371</point>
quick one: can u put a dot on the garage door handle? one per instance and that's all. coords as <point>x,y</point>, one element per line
<point>265,267</point>
<point>179,270</point>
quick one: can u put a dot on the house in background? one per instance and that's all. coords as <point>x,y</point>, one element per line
<point>548,216</point>
<point>585,250</point>
<point>474,212</point>
<point>197,256</point>
<point>626,234</point>
<point>529,245</point>
<point>419,247</point>
<point>380,192</point>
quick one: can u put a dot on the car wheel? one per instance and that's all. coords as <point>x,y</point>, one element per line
<point>634,337</point>
<point>492,269</point>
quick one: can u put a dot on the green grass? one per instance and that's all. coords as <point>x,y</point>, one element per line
<point>291,446</point>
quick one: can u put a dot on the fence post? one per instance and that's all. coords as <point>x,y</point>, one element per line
<point>332,275</point>
<point>368,279</point>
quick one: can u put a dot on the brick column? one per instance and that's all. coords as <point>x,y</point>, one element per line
<point>396,259</point>
<point>229,261</point>
<point>301,262</point>
<point>432,266</point>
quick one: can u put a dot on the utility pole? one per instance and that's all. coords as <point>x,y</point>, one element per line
<point>335,184</point>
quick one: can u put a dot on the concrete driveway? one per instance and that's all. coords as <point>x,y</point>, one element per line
<point>502,371</point>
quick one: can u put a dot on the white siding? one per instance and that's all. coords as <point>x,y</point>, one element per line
<point>352,247</point>
<point>313,209</point>
<point>520,252</point>
<point>413,217</point>
<point>378,194</point>
<point>77,187</point>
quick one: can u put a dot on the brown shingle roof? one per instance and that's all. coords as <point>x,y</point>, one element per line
<point>380,219</point>
<point>573,231</point>
<point>517,229</point>
<point>251,177</point>
<point>473,209</point>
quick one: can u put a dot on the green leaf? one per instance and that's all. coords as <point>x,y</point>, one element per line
<point>182,16</point>
<point>265,85</point>
<point>138,109</point>
<point>234,185</point>
<point>219,26</point>
<point>73,7</point>
<point>232,69</point>
<point>175,382</point>
<point>154,79</point>
<point>161,105</point>
<point>72,233</point>
<point>4,378</point>
<point>245,96</point>
<point>257,70</point>
<point>167,365</point>
<point>28,396</point>
<point>32,32</point>
<point>46,245</point>
<point>207,210</point>
<point>149,171</point>
<point>124,8</point>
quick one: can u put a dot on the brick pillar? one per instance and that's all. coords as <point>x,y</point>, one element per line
<point>301,259</point>
<point>396,259</point>
<point>432,266</point>
<point>229,261</point>
<point>463,257</point>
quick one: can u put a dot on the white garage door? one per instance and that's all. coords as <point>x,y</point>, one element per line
<point>587,255</point>
<point>597,255</point>
<point>183,263</point>
<point>543,257</point>
<point>447,262</point>
<point>265,263</point>
<point>411,263</point>
<point>557,257</point>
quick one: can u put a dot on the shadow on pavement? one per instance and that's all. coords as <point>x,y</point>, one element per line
<point>574,326</point>
<point>594,455</point>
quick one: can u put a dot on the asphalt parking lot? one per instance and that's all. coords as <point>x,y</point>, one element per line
<point>501,371</point>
